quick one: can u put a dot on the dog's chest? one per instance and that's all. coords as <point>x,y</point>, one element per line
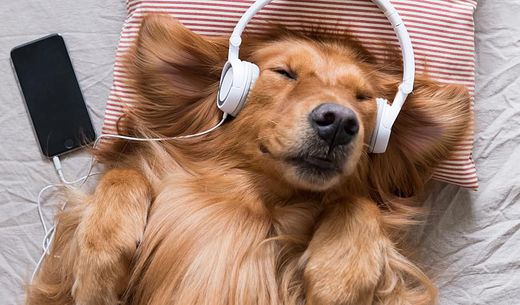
<point>201,238</point>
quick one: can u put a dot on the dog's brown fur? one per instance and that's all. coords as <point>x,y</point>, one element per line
<point>224,219</point>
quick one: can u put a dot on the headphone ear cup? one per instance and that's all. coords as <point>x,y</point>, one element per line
<point>255,72</point>
<point>381,134</point>
<point>235,83</point>
<point>228,95</point>
<point>252,73</point>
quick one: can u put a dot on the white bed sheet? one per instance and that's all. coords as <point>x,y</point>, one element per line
<point>471,243</point>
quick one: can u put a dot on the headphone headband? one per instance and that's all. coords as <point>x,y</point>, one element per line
<point>384,5</point>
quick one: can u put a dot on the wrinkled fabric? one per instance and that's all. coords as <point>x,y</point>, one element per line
<point>470,244</point>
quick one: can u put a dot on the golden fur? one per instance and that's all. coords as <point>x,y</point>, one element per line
<point>225,219</point>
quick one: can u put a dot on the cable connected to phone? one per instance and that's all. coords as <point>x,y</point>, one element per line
<point>50,231</point>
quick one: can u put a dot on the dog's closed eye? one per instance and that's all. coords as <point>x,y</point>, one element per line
<point>363,96</point>
<point>288,73</point>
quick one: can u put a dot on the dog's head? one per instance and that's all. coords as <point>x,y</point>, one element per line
<point>310,114</point>
<point>311,111</point>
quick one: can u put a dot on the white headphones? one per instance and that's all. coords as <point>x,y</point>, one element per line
<point>238,77</point>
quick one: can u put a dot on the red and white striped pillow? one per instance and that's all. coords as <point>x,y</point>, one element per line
<point>441,32</point>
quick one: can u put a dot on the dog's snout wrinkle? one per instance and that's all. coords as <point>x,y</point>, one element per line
<point>335,124</point>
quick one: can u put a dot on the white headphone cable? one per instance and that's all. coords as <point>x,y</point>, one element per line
<point>49,233</point>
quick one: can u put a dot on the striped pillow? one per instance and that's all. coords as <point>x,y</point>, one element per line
<point>441,32</point>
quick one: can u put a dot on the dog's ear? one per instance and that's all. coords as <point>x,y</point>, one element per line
<point>175,73</point>
<point>433,120</point>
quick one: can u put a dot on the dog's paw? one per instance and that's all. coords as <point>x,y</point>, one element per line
<point>84,295</point>
<point>101,266</point>
<point>96,280</point>
<point>345,277</point>
<point>344,267</point>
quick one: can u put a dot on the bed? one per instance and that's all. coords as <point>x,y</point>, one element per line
<point>470,244</point>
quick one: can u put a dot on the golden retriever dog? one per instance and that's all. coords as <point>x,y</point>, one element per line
<point>281,205</point>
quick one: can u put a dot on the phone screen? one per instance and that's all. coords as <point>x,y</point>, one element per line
<point>52,95</point>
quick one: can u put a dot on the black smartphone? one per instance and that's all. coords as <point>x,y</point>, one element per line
<point>52,95</point>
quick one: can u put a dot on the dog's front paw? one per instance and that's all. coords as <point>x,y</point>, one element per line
<point>345,256</point>
<point>98,278</point>
<point>87,292</point>
<point>101,267</point>
<point>343,275</point>
<point>107,236</point>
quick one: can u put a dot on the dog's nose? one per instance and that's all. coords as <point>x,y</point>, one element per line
<point>335,124</point>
